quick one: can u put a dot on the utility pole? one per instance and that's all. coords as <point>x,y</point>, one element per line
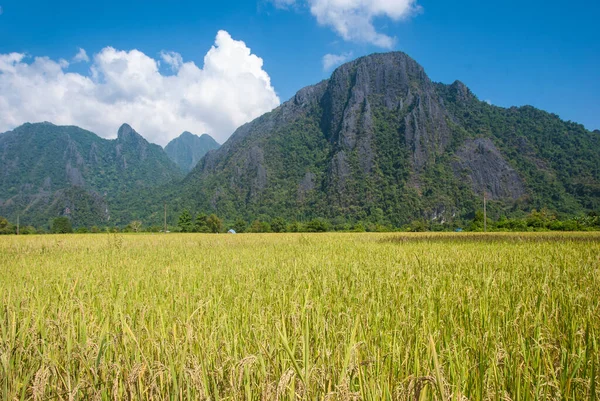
<point>165,217</point>
<point>484,213</point>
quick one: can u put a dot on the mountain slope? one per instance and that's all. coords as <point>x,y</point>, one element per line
<point>48,170</point>
<point>380,141</point>
<point>187,149</point>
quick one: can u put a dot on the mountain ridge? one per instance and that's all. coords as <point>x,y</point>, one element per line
<point>377,142</point>
<point>379,137</point>
<point>50,170</point>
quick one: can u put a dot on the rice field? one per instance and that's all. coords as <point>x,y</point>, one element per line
<point>300,317</point>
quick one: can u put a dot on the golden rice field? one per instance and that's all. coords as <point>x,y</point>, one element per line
<point>300,317</point>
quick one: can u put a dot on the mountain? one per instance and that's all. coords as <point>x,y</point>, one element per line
<point>379,141</point>
<point>187,149</point>
<point>48,171</point>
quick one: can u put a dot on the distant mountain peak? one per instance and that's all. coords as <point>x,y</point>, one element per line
<point>187,149</point>
<point>125,130</point>
<point>127,134</point>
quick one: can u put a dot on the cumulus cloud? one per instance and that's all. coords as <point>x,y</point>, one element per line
<point>333,60</point>
<point>353,19</point>
<point>173,59</point>
<point>81,56</point>
<point>126,86</point>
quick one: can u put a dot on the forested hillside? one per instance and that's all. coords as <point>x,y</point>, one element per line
<point>379,141</point>
<point>49,171</point>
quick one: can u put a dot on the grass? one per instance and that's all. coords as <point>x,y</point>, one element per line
<point>300,316</point>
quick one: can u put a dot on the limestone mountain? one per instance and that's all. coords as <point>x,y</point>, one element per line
<point>187,149</point>
<point>48,170</point>
<point>380,141</point>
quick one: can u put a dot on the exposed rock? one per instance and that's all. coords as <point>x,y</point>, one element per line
<point>255,165</point>
<point>487,170</point>
<point>306,185</point>
<point>460,93</point>
<point>74,175</point>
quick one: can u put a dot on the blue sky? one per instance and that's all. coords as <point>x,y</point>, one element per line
<point>543,53</point>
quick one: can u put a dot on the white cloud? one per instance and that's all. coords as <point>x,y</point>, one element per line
<point>126,86</point>
<point>1,10</point>
<point>488,101</point>
<point>81,56</point>
<point>333,60</point>
<point>173,59</point>
<point>353,19</point>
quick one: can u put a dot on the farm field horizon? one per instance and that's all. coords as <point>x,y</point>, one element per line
<point>332,316</point>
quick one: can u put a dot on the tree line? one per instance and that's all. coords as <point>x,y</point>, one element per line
<point>542,220</point>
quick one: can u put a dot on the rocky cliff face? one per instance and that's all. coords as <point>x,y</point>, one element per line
<point>379,135</point>
<point>187,149</point>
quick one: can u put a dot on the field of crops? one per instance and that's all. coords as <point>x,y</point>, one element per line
<point>300,316</point>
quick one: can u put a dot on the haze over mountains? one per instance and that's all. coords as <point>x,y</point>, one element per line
<point>378,141</point>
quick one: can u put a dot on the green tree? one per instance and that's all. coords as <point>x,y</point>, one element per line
<point>201,225</point>
<point>61,225</point>
<point>420,225</point>
<point>185,222</point>
<point>28,230</point>
<point>259,226</point>
<point>6,227</point>
<point>240,226</point>
<point>359,228</point>
<point>294,227</point>
<point>317,226</point>
<point>214,223</point>
<point>278,225</point>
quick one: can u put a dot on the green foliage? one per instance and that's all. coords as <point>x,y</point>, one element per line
<point>6,227</point>
<point>214,223</point>
<point>372,165</point>
<point>278,225</point>
<point>317,225</point>
<point>28,230</point>
<point>294,227</point>
<point>98,180</point>
<point>240,226</point>
<point>258,226</point>
<point>185,222</point>
<point>287,163</point>
<point>201,224</point>
<point>61,225</point>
